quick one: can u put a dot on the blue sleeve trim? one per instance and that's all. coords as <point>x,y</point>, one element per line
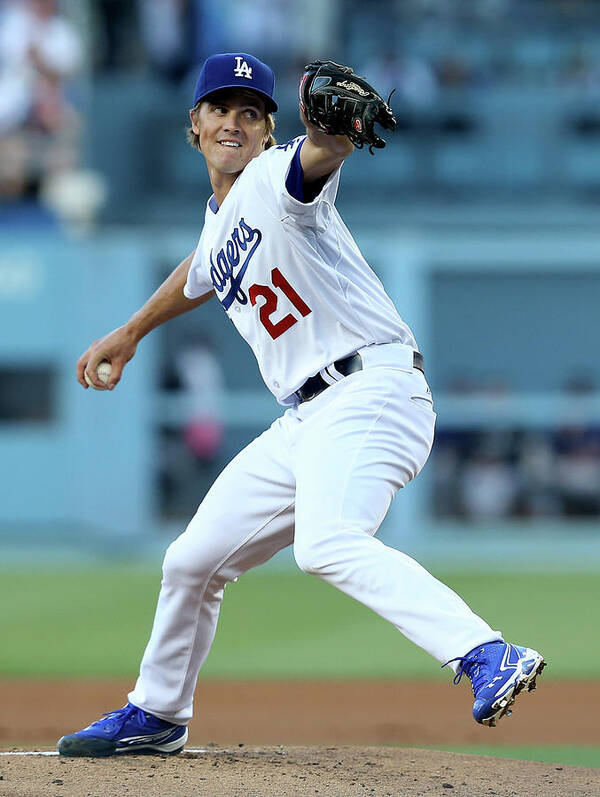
<point>295,179</point>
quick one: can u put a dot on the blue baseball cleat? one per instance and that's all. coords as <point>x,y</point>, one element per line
<point>499,672</point>
<point>127,730</point>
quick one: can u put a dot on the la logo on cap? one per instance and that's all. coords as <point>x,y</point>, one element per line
<point>242,69</point>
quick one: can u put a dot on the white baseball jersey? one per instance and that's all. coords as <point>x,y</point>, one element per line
<point>322,477</point>
<point>290,276</point>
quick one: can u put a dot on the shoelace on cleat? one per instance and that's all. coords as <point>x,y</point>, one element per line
<point>124,714</point>
<point>467,667</point>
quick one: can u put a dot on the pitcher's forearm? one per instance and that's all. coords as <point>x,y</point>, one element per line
<point>167,302</point>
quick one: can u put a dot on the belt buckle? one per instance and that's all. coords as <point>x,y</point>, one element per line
<point>319,387</point>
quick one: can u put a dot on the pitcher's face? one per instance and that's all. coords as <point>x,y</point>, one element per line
<point>231,126</point>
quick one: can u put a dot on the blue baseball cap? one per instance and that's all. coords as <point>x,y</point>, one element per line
<point>236,70</point>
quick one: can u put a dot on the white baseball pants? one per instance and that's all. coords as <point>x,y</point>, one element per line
<point>321,477</point>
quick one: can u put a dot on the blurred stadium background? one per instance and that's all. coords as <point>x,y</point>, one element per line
<point>481,217</point>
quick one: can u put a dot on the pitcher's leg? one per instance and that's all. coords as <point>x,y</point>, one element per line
<point>246,517</point>
<point>351,460</point>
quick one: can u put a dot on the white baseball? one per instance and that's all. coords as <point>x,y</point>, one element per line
<point>104,370</point>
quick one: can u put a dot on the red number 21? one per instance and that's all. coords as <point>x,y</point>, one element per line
<point>270,304</point>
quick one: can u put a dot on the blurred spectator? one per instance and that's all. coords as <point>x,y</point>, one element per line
<point>479,474</point>
<point>446,465</point>
<point>116,27</point>
<point>578,453</point>
<point>536,469</point>
<point>532,474</point>
<point>488,487</point>
<point>578,475</point>
<point>191,455</point>
<point>208,29</point>
<point>165,26</point>
<point>201,376</point>
<point>39,52</point>
<point>267,27</point>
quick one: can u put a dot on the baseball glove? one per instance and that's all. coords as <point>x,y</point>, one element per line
<point>340,103</point>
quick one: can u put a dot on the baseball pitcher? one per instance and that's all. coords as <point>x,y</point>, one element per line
<point>359,418</point>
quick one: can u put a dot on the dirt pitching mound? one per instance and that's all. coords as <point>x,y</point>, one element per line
<point>326,713</point>
<point>265,771</point>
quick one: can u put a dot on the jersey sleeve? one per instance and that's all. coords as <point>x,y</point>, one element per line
<point>280,175</point>
<point>198,282</point>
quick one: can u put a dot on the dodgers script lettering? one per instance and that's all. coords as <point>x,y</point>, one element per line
<point>243,240</point>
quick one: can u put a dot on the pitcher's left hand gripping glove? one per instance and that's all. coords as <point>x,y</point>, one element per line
<point>340,103</point>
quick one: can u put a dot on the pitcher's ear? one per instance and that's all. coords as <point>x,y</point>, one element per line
<point>194,120</point>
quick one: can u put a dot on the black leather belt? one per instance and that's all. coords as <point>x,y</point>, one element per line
<point>346,366</point>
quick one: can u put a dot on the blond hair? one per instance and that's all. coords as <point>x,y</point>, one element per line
<point>193,139</point>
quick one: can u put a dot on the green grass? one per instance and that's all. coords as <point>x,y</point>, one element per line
<point>559,755</point>
<point>95,621</point>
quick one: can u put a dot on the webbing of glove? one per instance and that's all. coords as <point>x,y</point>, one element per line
<point>341,103</point>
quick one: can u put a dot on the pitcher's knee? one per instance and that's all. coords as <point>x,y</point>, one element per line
<point>188,560</point>
<point>315,557</point>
